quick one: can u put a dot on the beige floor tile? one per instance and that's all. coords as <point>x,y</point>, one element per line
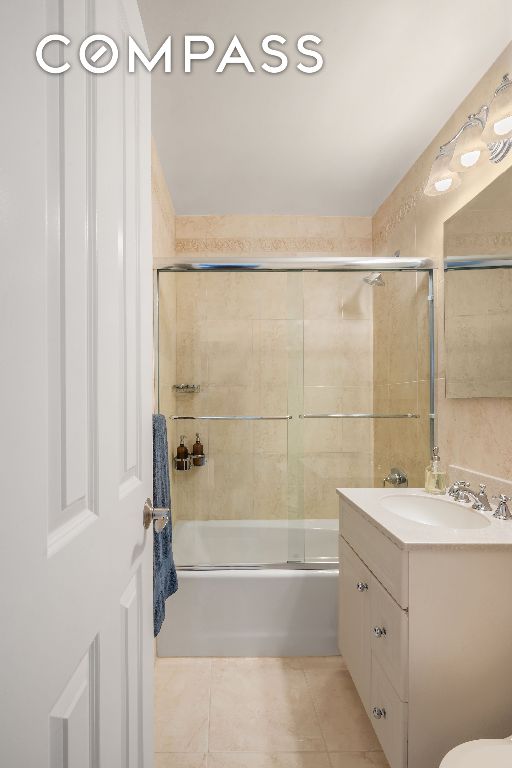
<point>358,760</point>
<point>179,760</point>
<point>182,694</point>
<point>318,662</point>
<point>261,705</point>
<point>257,662</point>
<point>345,725</point>
<point>268,760</point>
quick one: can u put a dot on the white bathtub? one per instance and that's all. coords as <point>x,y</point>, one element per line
<point>244,542</point>
<point>252,611</point>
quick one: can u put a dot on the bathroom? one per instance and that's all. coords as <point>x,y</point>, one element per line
<point>262,369</point>
<point>304,354</point>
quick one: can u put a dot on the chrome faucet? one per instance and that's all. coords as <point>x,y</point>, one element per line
<point>480,499</point>
<point>457,490</point>
<point>461,491</point>
<point>502,510</point>
<point>397,478</point>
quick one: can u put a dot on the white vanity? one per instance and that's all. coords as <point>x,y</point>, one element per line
<point>425,620</point>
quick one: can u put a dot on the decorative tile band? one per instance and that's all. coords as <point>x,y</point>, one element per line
<point>393,220</point>
<point>484,243</point>
<point>348,245</point>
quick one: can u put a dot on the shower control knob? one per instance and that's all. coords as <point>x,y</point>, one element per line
<point>379,631</point>
<point>362,586</point>
<point>378,712</point>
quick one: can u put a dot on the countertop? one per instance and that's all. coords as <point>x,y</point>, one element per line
<point>411,535</point>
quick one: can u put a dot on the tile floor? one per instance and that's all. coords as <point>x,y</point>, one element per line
<point>261,713</point>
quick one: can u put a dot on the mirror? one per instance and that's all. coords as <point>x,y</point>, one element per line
<point>478,294</point>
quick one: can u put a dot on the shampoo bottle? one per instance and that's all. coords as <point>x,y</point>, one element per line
<point>198,458</point>
<point>435,476</point>
<point>182,454</point>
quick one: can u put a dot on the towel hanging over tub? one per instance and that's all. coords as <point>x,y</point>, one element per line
<point>165,579</point>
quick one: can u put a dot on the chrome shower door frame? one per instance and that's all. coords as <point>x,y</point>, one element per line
<point>311,262</point>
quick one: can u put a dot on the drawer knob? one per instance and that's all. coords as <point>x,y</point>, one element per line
<point>379,631</point>
<point>378,712</point>
<point>362,586</point>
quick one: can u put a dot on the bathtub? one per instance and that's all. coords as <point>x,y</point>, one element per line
<point>238,595</point>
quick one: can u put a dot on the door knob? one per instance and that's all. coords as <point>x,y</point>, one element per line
<point>160,516</point>
<point>379,631</point>
<point>361,586</point>
<point>378,712</point>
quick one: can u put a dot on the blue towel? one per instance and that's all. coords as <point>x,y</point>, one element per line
<point>165,579</point>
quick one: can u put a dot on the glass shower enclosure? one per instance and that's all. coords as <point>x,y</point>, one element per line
<point>299,376</point>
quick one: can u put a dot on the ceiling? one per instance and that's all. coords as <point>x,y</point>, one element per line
<point>332,143</point>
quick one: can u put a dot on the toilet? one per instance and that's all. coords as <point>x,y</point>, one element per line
<point>483,753</point>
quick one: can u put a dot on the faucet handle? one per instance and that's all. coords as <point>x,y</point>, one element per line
<point>502,510</point>
<point>455,488</point>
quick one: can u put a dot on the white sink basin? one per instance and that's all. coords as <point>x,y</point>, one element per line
<point>432,510</point>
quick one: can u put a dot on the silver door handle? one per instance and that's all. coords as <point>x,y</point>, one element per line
<point>160,516</point>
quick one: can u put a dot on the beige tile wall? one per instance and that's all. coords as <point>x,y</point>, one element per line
<point>338,374</point>
<point>473,433</point>
<point>401,375</point>
<point>236,336</point>
<point>350,236</point>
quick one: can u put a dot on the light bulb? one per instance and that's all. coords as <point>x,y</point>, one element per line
<point>468,159</point>
<point>502,127</point>
<point>443,185</point>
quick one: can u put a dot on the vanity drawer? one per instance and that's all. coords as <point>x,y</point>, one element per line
<point>387,562</point>
<point>391,727</point>
<point>389,629</point>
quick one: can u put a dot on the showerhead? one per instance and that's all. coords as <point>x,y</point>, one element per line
<point>373,279</point>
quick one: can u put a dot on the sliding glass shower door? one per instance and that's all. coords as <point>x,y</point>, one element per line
<point>289,377</point>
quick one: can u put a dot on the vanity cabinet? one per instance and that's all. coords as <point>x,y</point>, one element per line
<point>427,637</point>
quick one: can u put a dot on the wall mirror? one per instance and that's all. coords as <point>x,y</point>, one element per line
<point>478,294</point>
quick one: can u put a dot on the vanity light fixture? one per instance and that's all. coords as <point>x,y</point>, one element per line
<point>442,178</point>
<point>470,149</point>
<point>486,135</point>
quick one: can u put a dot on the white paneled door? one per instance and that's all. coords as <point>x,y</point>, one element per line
<point>75,395</point>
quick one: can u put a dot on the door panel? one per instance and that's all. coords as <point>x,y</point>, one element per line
<point>72,296</point>
<point>76,458</point>
<point>74,726</point>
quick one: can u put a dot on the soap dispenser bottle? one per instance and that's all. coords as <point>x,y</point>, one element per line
<point>435,476</point>
<point>182,460</point>
<point>198,457</point>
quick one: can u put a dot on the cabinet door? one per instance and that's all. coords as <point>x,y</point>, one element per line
<point>389,717</point>
<point>354,619</point>
<point>389,637</point>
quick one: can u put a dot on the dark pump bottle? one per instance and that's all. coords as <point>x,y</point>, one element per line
<point>182,454</point>
<point>198,452</point>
